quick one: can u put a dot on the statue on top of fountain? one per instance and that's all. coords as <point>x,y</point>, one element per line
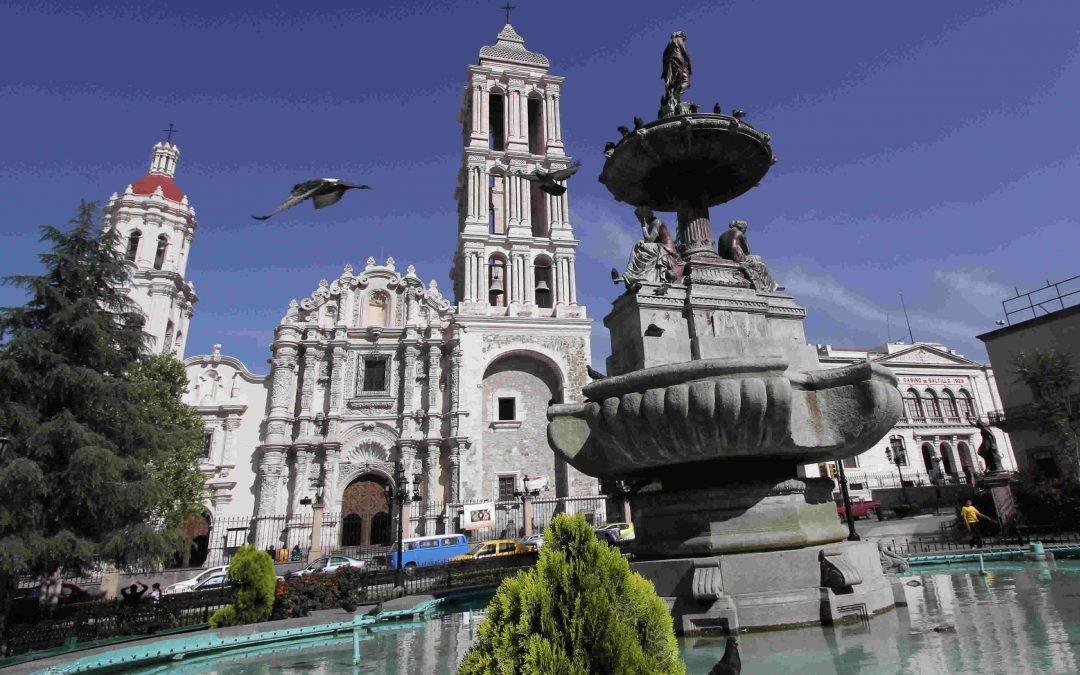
<point>654,258</point>
<point>734,246</point>
<point>676,76</point>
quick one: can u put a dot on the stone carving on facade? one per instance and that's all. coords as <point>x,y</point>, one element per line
<point>370,408</point>
<point>571,349</point>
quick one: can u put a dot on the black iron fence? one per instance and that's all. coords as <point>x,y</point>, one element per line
<point>952,540</point>
<point>29,628</point>
<point>508,518</point>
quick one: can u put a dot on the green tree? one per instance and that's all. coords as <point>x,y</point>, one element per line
<point>78,476</point>
<point>252,571</point>
<point>160,381</point>
<point>580,610</point>
<point>1051,376</point>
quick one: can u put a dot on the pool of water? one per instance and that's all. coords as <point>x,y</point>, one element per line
<point>1018,618</point>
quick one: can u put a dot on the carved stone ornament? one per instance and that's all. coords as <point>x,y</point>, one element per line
<point>837,572</point>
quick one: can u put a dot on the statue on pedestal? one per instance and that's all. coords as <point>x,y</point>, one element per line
<point>654,258</point>
<point>734,246</point>
<point>988,449</point>
<point>676,73</point>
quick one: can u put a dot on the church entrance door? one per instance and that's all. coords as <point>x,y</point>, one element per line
<point>365,512</point>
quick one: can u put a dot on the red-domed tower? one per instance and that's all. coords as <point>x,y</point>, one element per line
<point>156,225</point>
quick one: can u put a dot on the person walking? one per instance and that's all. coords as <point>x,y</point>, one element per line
<point>283,554</point>
<point>155,593</point>
<point>971,515</point>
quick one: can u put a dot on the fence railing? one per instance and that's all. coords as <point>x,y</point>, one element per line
<point>870,481</point>
<point>956,539</point>
<point>28,628</point>
<point>509,516</point>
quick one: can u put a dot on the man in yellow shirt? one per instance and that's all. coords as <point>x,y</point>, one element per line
<point>971,515</point>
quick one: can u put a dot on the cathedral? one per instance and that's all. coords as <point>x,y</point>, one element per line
<point>377,367</point>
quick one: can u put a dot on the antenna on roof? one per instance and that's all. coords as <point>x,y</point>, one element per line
<point>888,327</point>
<point>170,131</point>
<point>906,318</point>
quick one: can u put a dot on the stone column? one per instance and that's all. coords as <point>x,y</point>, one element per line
<point>481,278</point>
<point>530,278</point>
<point>337,368</point>
<point>331,461</point>
<point>485,111</point>
<point>454,384</point>
<point>228,455</point>
<point>407,450</point>
<point>572,280</point>
<point>558,120</point>
<point>479,119</point>
<point>271,467</point>
<point>434,403</point>
<point>431,485</point>
<point>300,467</point>
<point>695,231</point>
<point>454,479</point>
<point>408,382</point>
<point>469,277</point>
<point>310,361</point>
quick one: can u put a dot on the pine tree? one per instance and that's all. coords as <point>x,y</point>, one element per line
<point>580,610</point>
<point>78,476</point>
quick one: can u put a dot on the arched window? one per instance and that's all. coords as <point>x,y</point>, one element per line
<point>133,245</point>
<point>178,341</point>
<point>162,247</point>
<point>912,406</point>
<point>536,125</point>
<point>931,404</point>
<point>378,309</point>
<point>497,283</point>
<point>946,459</point>
<point>539,212</point>
<point>497,211</point>
<point>167,343</point>
<point>928,458</point>
<point>967,405</point>
<point>948,404</point>
<point>496,121</point>
<point>544,290</point>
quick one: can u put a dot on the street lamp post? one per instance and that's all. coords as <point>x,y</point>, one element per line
<point>896,456</point>
<point>400,486</point>
<point>852,534</point>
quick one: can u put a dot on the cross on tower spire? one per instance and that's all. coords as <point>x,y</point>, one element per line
<point>172,128</point>
<point>508,7</point>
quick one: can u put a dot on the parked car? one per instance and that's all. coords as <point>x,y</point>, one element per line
<point>534,540</point>
<point>430,550</point>
<point>624,531</point>
<point>193,582</point>
<point>494,548</point>
<point>860,508</point>
<point>330,563</point>
<point>211,582</point>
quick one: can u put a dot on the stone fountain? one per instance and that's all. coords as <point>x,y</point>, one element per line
<point>713,399</point>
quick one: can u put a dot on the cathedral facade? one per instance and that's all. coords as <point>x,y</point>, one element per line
<point>377,368</point>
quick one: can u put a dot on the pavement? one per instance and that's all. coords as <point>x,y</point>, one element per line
<point>902,528</point>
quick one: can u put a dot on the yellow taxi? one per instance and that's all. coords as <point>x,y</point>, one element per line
<point>493,548</point>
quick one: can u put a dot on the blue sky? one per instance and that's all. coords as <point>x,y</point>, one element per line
<point>929,147</point>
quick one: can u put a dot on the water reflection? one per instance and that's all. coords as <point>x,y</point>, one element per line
<point>1016,618</point>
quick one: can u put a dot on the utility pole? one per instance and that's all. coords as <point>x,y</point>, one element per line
<point>902,304</point>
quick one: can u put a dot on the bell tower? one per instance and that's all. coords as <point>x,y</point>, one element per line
<point>521,337</point>
<point>156,226</point>
<point>516,247</point>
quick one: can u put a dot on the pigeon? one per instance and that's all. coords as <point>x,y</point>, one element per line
<point>729,663</point>
<point>624,131</point>
<point>693,108</point>
<point>615,277</point>
<point>594,374</point>
<point>638,123</point>
<point>738,114</point>
<point>609,149</point>
<point>717,110</point>
<point>321,191</point>
<point>548,180</point>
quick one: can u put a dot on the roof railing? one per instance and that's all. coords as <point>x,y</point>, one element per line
<point>1050,298</point>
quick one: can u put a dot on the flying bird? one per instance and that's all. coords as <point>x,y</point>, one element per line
<point>547,180</point>
<point>321,191</point>
<point>729,663</point>
<point>593,373</point>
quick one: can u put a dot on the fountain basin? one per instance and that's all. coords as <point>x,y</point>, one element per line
<point>697,159</point>
<point>723,409</point>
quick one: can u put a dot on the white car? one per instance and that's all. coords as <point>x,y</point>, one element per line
<point>534,540</point>
<point>331,563</point>
<point>197,580</point>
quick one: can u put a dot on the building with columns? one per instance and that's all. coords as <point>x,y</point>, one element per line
<point>943,392</point>
<point>156,225</point>
<point>377,367</point>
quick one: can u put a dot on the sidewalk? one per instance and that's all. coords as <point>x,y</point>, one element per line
<point>902,528</point>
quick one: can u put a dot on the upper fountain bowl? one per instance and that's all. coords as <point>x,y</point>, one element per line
<point>698,159</point>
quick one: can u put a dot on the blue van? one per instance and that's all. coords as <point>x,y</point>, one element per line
<point>432,550</point>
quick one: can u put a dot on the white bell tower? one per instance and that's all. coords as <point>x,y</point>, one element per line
<point>156,226</point>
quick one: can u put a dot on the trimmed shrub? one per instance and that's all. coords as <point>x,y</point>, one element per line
<point>252,572</point>
<point>580,610</point>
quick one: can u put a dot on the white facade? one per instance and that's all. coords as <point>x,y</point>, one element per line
<point>156,225</point>
<point>942,392</point>
<point>377,368</point>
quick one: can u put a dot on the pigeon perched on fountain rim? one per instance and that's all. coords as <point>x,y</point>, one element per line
<point>321,191</point>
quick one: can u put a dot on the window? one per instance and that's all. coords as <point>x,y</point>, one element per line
<point>448,541</point>
<point>899,453</point>
<point>858,486</point>
<point>536,126</point>
<point>507,547</point>
<point>538,208</point>
<point>507,409</point>
<point>506,487</point>
<point>496,133</point>
<point>967,404</point>
<point>948,404</point>
<point>162,247</point>
<point>208,444</point>
<point>931,405</point>
<point>133,245</point>
<point>911,405</point>
<point>851,462</point>
<point>374,374</point>
<point>487,550</point>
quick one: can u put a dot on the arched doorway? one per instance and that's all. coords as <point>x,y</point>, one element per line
<point>197,528</point>
<point>946,459</point>
<point>365,512</point>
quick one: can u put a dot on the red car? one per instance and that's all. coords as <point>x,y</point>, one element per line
<point>860,509</point>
